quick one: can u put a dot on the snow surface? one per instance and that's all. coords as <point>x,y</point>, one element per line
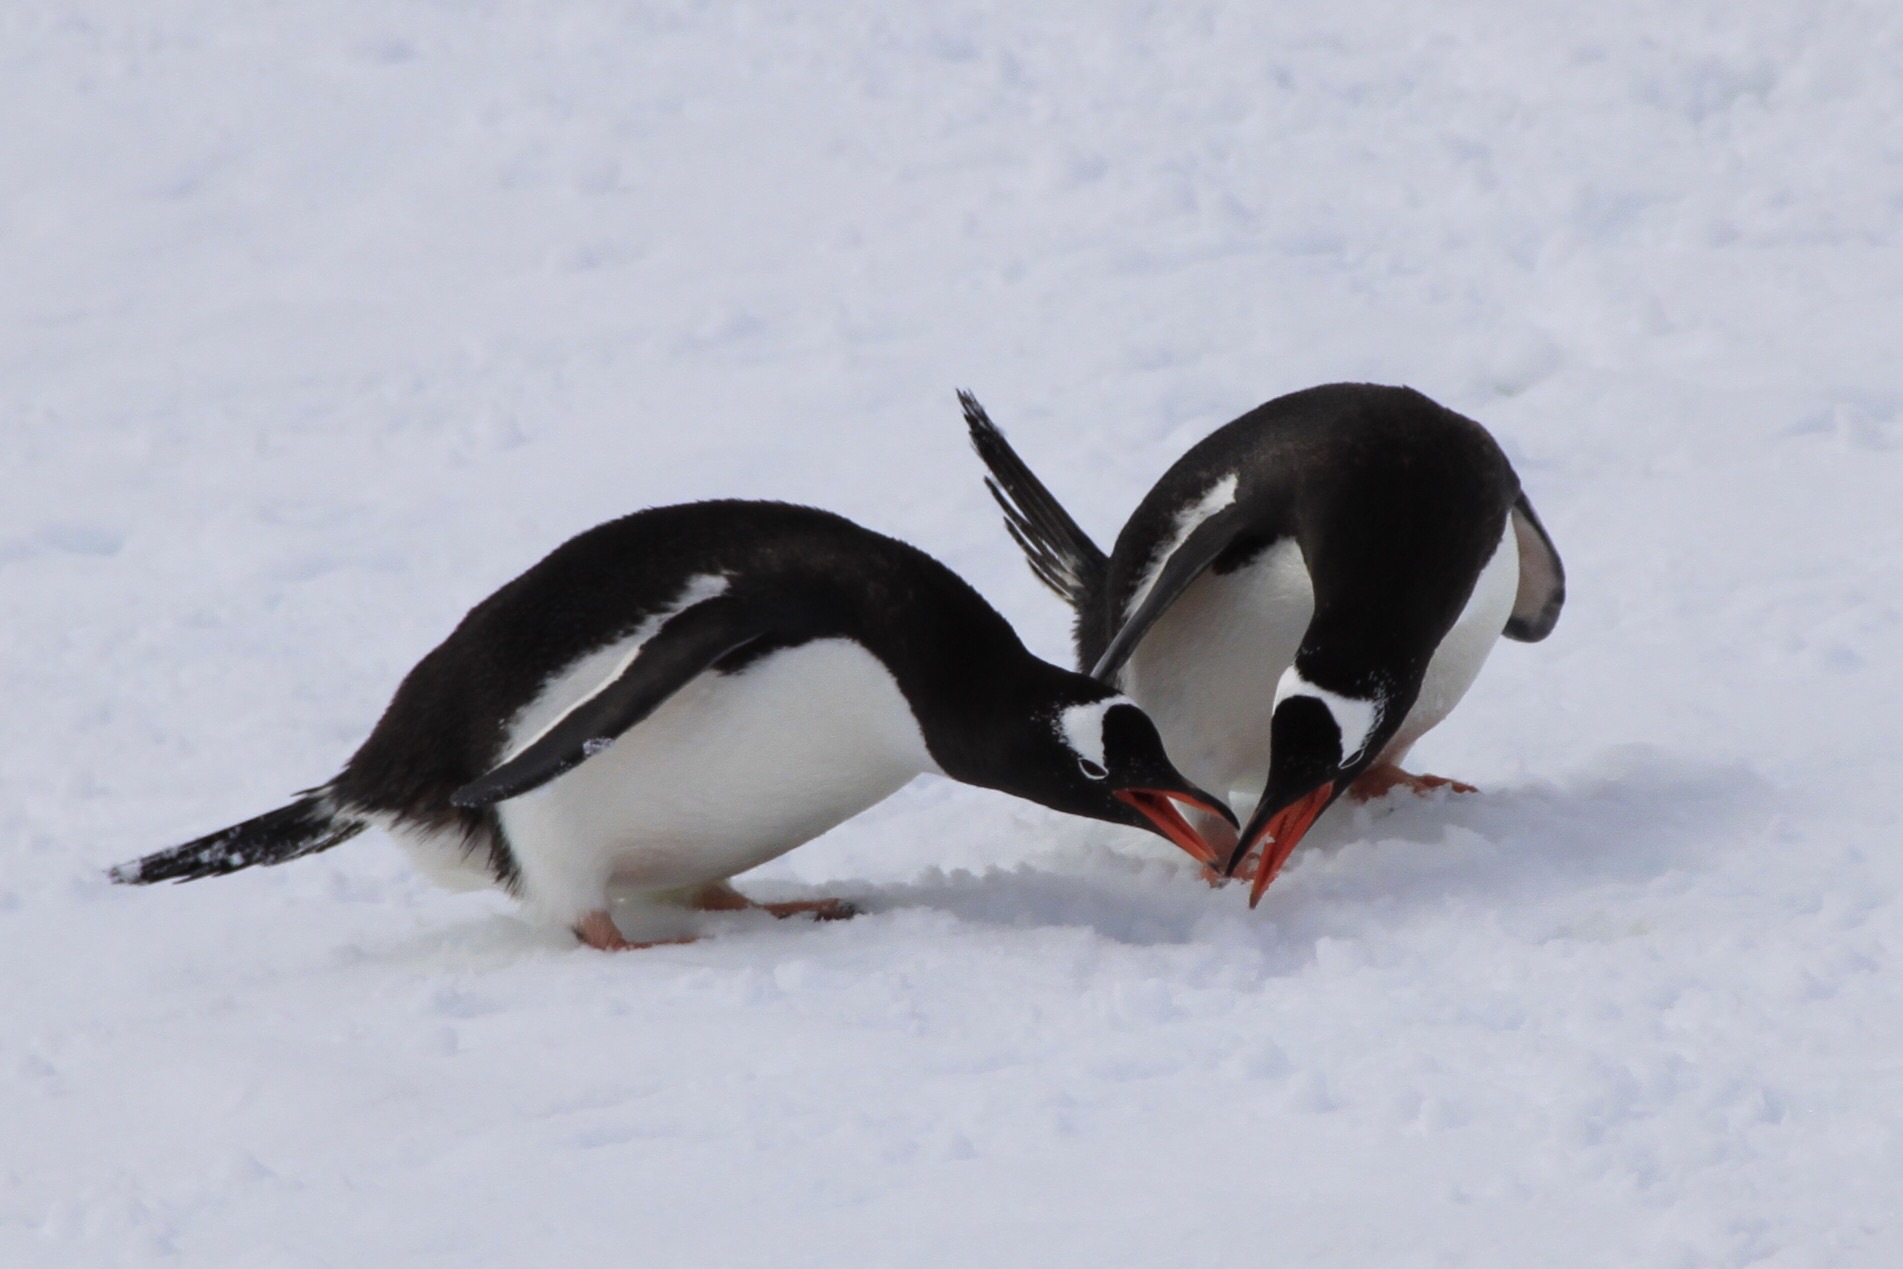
<point>321,320</point>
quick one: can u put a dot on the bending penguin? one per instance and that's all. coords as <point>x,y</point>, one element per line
<point>679,695</point>
<point>1312,587</point>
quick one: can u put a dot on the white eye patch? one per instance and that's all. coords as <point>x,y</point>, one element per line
<point>1081,728</point>
<point>1355,719</point>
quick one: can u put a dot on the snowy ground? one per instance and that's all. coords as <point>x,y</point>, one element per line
<point>318,321</point>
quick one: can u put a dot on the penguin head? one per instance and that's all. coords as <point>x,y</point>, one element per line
<point>1084,749</point>
<point>1319,741</point>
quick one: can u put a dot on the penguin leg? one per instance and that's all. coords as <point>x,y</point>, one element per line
<point>718,896</point>
<point>1384,777</point>
<point>598,930</point>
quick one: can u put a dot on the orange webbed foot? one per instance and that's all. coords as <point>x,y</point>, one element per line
<point>598,930</point>
<point>720,897</point>
<point>1382,779</point>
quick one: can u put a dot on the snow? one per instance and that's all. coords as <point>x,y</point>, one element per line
<point>322,320</point>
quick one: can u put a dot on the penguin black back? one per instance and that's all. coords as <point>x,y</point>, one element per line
<point>822,574</point>
<point>1337,468</point>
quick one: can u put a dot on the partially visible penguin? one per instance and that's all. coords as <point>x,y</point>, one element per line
<point>1305,592</point>
<point>677,696</point>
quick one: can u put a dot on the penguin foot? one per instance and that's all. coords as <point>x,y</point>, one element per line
<point>1383,778</point>
<point>598,930</point>
<point>718,896</point>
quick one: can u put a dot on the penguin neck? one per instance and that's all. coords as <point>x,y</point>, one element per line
<point>970,682</point>
<point>975,710</point>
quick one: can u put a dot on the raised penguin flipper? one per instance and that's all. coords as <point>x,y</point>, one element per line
<point>1542,590</point>
<point>1059,552</point>
<point>1184,565</point>
<point>688,643</point>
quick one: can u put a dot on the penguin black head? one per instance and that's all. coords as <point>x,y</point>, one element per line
<point>1319,741</point>
<point>1085,749</point>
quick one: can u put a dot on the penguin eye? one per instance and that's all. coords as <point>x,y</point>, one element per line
<point>1091,770</point>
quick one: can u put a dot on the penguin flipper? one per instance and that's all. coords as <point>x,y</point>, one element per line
<point>688,643</point>
<point>1060,553</point>
<point>1542,590</point>
<point>1185,564</point>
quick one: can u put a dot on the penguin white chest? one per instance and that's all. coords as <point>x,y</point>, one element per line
<point>731,771</point>
<point>1207,670</point>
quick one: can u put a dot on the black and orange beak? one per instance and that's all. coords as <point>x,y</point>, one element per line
<point>1279,837</point>
<point>1158,806</point>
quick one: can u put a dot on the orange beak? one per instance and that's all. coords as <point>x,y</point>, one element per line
<point>1158,807</point>
<point>1283,832</point>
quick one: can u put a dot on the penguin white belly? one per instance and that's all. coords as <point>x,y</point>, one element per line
<point>1207,670</point>
<point>1457,661</point>
<point>731,771</point>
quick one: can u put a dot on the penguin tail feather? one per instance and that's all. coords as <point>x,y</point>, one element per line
<point>1060,553</point>
<point>312,823</point>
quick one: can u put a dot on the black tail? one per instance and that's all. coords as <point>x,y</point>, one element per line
<point>306,826</point>
<point>1059,552</point>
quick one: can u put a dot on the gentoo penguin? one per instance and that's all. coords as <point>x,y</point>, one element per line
<point>676,696</point>
<point>1311,588</point>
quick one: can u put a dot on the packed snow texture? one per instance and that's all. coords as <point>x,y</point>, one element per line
<point>322,320</point>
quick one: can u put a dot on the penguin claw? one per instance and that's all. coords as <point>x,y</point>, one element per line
<point>819,909</point>
<point>1381,780</point>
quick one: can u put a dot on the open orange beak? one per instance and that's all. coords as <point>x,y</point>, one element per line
<point>1283,833</point>
<point>1158,807</point>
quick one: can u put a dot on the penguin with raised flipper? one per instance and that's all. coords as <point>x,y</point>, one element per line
<point>677,696</point>
<point>1309,589</point>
